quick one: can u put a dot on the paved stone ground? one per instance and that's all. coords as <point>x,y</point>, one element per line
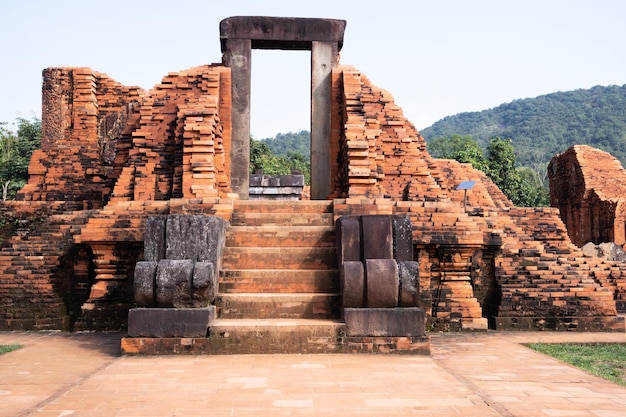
<point>471,374</point>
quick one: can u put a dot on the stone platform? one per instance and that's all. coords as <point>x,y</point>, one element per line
<point>297,336</point>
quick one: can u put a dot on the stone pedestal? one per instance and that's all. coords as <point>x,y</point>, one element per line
<point>385,322</point>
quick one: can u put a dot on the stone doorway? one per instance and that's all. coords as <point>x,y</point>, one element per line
<point>324,38</point>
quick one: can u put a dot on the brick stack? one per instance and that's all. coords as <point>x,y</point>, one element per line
<point>203,151</point>
<point>83,114</point>
<point>180,147</point>
<point>542,274</point>
<point>381,151</point>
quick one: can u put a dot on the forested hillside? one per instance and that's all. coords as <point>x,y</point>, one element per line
<point>546,125</point>
<point>293,142</point>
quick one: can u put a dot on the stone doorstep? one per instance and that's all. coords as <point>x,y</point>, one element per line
<point>277,305</point>
<point>281,218</point>
<point>278,280</point>
<point>269,206</point>
<point>229,337</point>
<point>279,236</point>
<point>279,258</point>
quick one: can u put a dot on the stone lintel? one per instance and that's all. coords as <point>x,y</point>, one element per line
<point>287,33</point>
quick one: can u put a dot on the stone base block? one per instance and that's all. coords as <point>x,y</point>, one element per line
<point>266,338</point>
<point>571,324</point>
<point>170,322</point>
<point>480,323</point>
<point>385,322</point>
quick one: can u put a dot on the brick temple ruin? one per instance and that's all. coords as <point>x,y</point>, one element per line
<point>115,158</point>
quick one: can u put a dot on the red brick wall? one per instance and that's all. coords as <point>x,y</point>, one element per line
<point>588,185</point>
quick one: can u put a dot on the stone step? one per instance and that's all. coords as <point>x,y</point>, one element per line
<point>275,336</point>
<point>279,258</point>
<point>243,218</point>
<point>277,236</point>
<point>277,306</point>
<point>279,281</point>
<point>268,206</point>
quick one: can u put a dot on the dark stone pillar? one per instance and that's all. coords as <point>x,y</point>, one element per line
<point>323,58</point>
<point>237,54</point>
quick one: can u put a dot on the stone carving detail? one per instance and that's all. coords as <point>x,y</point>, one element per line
<point>183,255</point>
<point>378,275</point>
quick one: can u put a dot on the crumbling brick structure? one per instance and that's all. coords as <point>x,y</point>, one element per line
<point>115,155</point>
<point>589,188</point>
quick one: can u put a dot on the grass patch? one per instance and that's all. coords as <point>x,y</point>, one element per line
<point>8,348</point>
<point>606,360</point>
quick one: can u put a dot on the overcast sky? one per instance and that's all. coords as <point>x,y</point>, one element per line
<point>437,58</point>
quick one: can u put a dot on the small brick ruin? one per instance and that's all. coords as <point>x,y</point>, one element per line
<point>589,188</point>
<point>113,156</point>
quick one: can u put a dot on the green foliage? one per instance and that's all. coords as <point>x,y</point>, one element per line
<point>501,166</point>
<point>605,360</point>
<point>262,158</point>
<point>533,192</point>
<point>8,348</point>
<point>285,143</point>
<point>15,153</point>
<point>546,125</point>
<point>461,148</point>
<point>523,185</point>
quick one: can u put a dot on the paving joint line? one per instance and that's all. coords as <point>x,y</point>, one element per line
<point>497,407</point>
<point>37,407</point>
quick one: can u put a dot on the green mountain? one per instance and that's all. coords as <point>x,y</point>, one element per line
<point>284,143</point>
<point>546,125</point>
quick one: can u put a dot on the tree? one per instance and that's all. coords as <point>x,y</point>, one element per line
<point>262,158</point>
<point>523,185</point>
<point>460,148</point>
<point>501,163</point>
<point>15,153</point>
<point>532,191</point>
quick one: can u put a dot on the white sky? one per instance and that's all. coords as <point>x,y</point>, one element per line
<point>436,57</point>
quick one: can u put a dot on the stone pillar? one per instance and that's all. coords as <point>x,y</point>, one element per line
<point>237,56</point>
<point>323,58</point>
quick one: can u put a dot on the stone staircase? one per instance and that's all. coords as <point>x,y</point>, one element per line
<point>279,284</point>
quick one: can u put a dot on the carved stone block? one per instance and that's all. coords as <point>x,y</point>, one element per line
<point>382,283</point>
<point>353,284</point>
<point>204,284</point>
<point>409,284</point>
<point>377,237</point>
<point>144,283</point>
<point>173,282</point>
<point>402,238</point>
<point>154,239</point>
<point>195,237</point>
<point>348,232</point>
